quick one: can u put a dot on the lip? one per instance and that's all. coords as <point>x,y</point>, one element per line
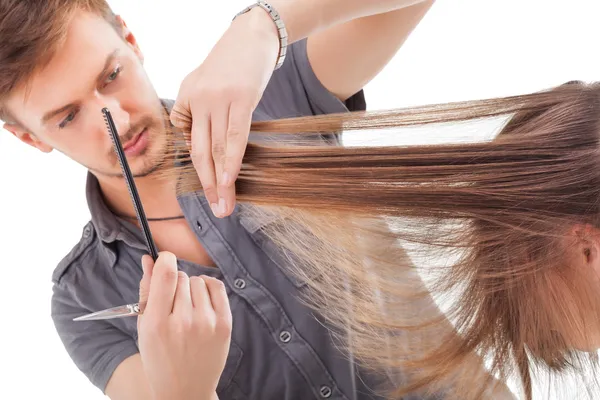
<point>137,144</point>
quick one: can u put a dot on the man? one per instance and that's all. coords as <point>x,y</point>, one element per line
<point>62,61</point>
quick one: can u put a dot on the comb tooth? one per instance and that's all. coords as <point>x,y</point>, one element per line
<point>105,114</point>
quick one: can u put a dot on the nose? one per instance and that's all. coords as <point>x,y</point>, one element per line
<point>120,116</point>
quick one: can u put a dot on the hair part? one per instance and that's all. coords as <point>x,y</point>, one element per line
<point>31,32</point>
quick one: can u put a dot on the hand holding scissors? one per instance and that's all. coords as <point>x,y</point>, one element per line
<point>186,326</point>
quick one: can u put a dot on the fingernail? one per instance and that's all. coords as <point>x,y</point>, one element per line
<point>222,207</point>
<point>226,179</point>
<point>145,265</point>
<point>215,209</point>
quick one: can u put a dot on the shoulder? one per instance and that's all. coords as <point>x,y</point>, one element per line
<point>294,90</point>
<point>79,252</point>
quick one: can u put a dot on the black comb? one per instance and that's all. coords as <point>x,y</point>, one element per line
<point>137,204</point>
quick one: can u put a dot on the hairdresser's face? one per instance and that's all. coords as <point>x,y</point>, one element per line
<point>95,68</point>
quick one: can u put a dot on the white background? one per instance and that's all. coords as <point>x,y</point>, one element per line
<point>464,49</point>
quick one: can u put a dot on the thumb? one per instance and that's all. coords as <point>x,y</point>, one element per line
<point>147,266</point>
<point>180,117</point>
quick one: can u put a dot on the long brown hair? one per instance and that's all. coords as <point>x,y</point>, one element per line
<point>501,216</point>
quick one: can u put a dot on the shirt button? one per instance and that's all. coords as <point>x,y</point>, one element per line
<point>199,225</point>
<point>285,336</point>
<point>325,391</point>
<point>87,231</point>
<point>239,283</point>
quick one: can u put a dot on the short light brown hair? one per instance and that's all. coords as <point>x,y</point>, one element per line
<point>31,31</point>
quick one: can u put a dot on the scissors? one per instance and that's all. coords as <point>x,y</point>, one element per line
<point>134,309</point>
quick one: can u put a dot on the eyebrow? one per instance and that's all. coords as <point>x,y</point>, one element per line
<point>51,114</point>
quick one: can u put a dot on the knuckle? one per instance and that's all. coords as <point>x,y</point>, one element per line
<point>198,325</point>
<point>218,149</point>
<point>224,326</point>
<point>208,187</point>
<point>202,90</point>
<point>227,91</point>
<point>209,280</point>
<point>169,276</point>
<point>219,285</point>
<point>211,324</point>
<point>197,156</point>
<point>197,280</point>
<point>239,91</point>
<point>154,327</point>
<point>210,92</point>
<point>182,276</point>
<point>184,324</point>
<point>144,293</point>
<point>234,132</point>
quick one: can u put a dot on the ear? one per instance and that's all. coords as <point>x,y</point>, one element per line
<point>587,244</point>
<point>27,137</point>
<point>130,38</point>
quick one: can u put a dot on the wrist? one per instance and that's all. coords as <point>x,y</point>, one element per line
<point>263,20</point>
<point>259,21</point>
<point>196,396</point>
<point>184,394</point>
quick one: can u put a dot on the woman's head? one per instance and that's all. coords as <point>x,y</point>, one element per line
<point>514,223</point>
<point>534,264</point>
<point>550,230</point>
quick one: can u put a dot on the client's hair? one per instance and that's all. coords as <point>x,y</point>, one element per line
<point>513,218</point>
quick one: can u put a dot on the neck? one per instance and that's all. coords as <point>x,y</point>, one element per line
<point>158,196</point>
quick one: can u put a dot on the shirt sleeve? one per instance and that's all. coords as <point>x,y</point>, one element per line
<point>295,91</point>
<point>96,347</point>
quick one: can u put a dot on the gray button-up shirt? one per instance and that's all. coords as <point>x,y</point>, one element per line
<point>279,349</point>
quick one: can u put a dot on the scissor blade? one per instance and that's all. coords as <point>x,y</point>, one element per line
<point>127,310</point>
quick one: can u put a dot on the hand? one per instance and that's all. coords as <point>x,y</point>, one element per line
<point>220,97</point>
<point>184,331</point>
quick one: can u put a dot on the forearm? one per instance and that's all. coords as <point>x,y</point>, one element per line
<point>206,397</point>
<point>304,18</point>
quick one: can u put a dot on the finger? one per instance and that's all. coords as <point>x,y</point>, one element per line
<point>218,298</point>
<point>200,296</point>
<point>183,295</point>
<point>219,149</point>
<point>202,157</point>
<point>180,117</point>
<point>238,130</point>
<point>163,285</point>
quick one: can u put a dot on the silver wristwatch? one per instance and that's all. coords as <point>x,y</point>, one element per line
<point>283,37</point>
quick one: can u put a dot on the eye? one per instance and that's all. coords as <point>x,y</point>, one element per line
<point>114,75</point>
<point>67,120</point>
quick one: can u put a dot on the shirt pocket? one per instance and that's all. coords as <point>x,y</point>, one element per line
<point>255,222</point>
<point>227,389</point>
